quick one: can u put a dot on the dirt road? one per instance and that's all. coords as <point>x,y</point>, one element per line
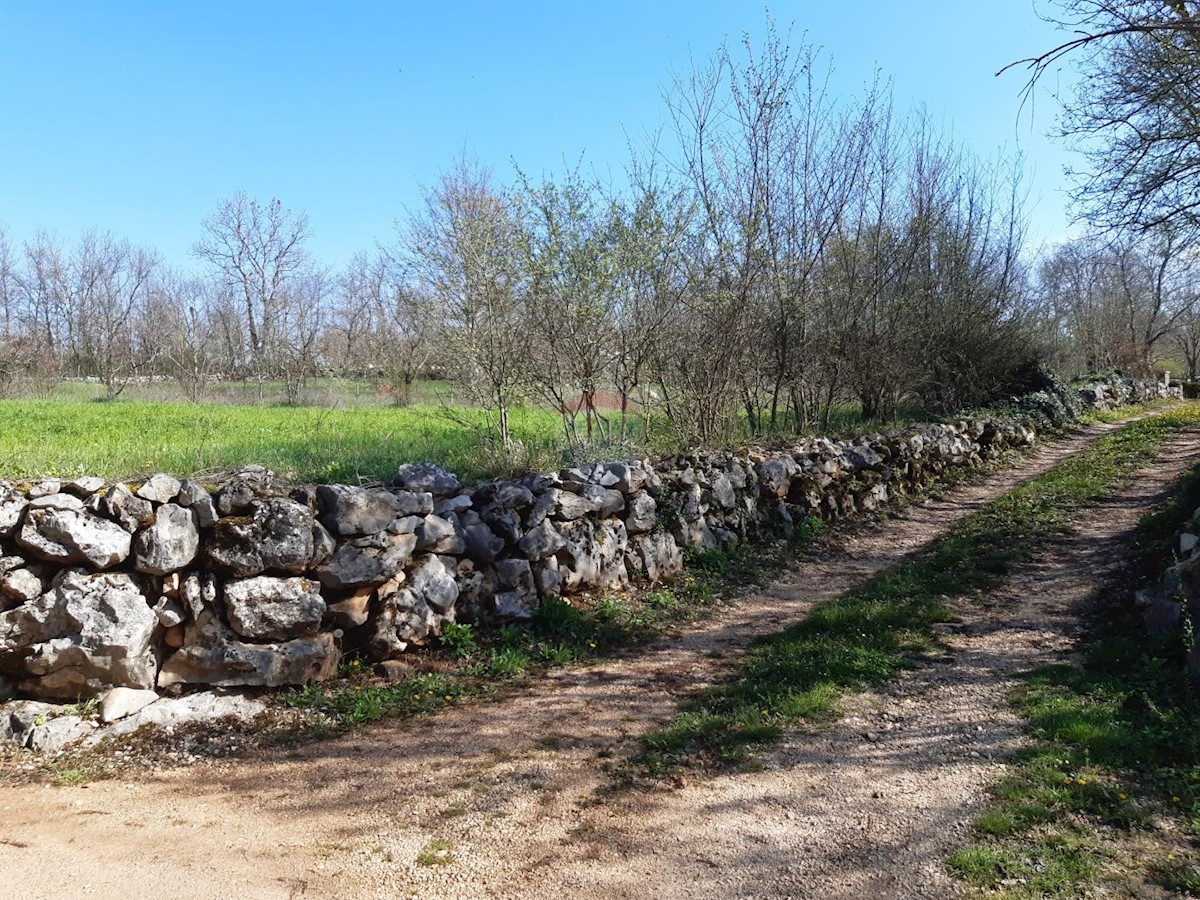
<point>501,799</point>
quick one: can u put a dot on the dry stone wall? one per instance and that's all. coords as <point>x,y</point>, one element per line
<point>164,584</point>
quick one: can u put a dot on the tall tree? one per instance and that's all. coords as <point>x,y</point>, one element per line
<point>1135,115</point>
<point>258,249</point>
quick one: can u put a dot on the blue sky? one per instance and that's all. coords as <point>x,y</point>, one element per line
<point>139,117</point>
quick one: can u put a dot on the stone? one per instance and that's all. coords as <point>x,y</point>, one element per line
<point>83,486</point>
<point>122,701</point>
<point>58,733</point>
<point>427,477</point>
<point>569,506</point>
<point>205,706</point>
<point>276,535</point>
<point>20,586</point>
<point>348,511</point>
<point>244,487</point>
<point>130,512</point>
<point>88,633</point>
<point>20,717</point>
<point>775,475</point>
<point>324,546</point>
<point>458,504</point>
<point>660,556</point>
<point>267,608</point>
<point>608,502</point>
<point>170,612</point>
<point>594,555</point>
<point>406,525</point>
<point>642,513</point>
<point>57,501</point>
<point>212,654</point>
<point>515,606</point>
<point>722,491</point>
<point>520,601</point>
<point>541,508</point>
<point>504,495</point>
<point>206,512</point>
<point>191,493</point>
<point>67,537</point>
<point>168,544</point>
<point>414,503</point>
<point>481,544</point>
<point>394,670</point>
<point>506,523</point>
<point>1187,543</point>
<point>12,504</point>
<point>159,488</point>
<point>861,456</point>
<point>45,488</point>
<point>542,541</point>
<point>438,535</point>
<point>352,612</point>
<point>430,583</point>
<point>368,561</point>
<point>174,636</point>
<point>548,577</point>
<point>198,593</point>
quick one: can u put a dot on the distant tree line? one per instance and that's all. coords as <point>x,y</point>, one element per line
<point>775,254</point>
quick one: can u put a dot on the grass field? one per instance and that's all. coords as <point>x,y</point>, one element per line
<point>125,439</point>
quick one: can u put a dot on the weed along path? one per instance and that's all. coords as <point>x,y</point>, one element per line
<point>518,798</point>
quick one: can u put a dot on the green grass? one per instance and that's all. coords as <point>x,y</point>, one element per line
<point>870,635</point>
<point>125,439</point>
<point>1115,761</point>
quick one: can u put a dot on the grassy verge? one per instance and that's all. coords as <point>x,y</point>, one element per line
<point>471,664</point>
<point>1108,794</point>
<point>873,633</point>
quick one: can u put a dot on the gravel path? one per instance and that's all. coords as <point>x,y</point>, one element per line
<point>512,792</point>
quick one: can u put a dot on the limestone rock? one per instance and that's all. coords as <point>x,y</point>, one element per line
<point>160,488</point>
<point>205,706</point>
<point>542,541</point>
<point>660,556</point>
<point>12,504</point>
<point>244,487</point>
<point>351,612</point>
<point>481,544</point>
<point>130,512</point>
<point>276,535</point>
<point>427,478</point>
<point>83,486</point>
<point>642,513</point>
<point>57,501</point>
<point>367,561</point>
<point>58,733</point>
<point>18,584</point>
<point>212,654</point>
<point>347,511</point>
<point>267,608</point>
<point>519,600</point>
<point>432,584</point>
<point>439,535</point>
<point>88,633</point>
<point>122,701</point>
<point>68,537</point>
<point>594,555</point>
<point>169,544</point>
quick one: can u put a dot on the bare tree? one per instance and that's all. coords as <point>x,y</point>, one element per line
<point>257,250</point>
<point>463,249</point>
<point>110,284</point>
<point>1135,116</point>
